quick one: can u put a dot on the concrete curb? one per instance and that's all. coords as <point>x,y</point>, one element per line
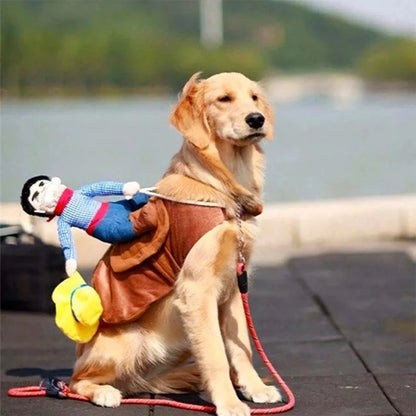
<point>283,227</point>
<point>311,226</point>
<point>342,220</point>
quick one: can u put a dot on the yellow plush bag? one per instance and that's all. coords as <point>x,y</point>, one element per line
<point>78,308</point>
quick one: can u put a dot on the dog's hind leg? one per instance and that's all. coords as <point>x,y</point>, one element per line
<point>100,363</point>
<point>89,380</point>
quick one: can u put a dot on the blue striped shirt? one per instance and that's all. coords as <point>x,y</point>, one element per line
<point>80,211</point>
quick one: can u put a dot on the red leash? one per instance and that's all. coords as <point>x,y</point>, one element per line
<point>291,398</point>
<point>64,392</point>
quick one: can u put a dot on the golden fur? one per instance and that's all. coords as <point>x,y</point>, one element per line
<point>220,161</point>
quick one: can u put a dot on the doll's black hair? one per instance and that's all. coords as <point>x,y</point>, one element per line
<point>24,197</point>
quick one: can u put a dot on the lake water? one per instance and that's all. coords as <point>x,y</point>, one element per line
<point>322,149</point>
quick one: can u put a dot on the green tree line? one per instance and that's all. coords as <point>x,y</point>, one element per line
<point>106,45</point>
<point>394,60</point>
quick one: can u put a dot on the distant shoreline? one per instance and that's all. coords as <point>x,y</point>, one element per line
<point>283,87</point>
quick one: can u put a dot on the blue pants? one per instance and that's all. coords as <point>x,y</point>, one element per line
<point>116,226</point>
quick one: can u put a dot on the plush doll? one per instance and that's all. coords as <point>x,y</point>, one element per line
<point>78,306</point>
<point>107,221</point>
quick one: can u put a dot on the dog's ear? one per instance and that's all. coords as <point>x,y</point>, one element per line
<point>266,108</point>
<point>268,112</point>
<point>189,116</point>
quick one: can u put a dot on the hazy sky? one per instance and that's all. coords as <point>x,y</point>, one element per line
<point>392,15</point>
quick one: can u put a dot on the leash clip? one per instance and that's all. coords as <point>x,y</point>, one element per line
<point>54,387</point>
<point>242,277</point>
<point>241,264</point>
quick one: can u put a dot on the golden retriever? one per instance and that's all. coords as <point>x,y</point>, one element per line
<point>222,118</point>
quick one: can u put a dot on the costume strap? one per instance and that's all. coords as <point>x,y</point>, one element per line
<point>152,192</point>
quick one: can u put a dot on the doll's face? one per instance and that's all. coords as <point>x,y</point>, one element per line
<point>44,195</point>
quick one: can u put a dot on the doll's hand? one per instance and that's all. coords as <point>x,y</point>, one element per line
<point>70,267</point>
<point>130,189</point>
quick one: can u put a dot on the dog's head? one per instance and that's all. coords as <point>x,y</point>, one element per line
<point>227,106</point>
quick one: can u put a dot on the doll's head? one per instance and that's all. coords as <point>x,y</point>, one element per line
<point>40,195</point>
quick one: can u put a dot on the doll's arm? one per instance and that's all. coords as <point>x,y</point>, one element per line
<point>127,189</point>
<point>102,189</point>
<point>130,189</point>
<point>68,247</point>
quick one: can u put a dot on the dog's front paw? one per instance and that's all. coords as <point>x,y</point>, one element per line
<point>262,394</point>
<point>106,396</point>
<point>233,409</point>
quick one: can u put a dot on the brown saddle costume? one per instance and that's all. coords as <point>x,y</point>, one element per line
<point>133,275</point>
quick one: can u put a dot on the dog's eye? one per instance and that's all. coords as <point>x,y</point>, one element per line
<point>225,99</point>
<point>254,97</point>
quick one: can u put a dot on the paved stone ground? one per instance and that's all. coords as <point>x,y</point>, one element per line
<point>340,328</point>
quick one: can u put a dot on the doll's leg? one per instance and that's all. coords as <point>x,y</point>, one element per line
<point>133,204</point>
<point>116,226</point>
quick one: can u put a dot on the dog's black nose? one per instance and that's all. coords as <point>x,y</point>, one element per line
<point>255,120</point>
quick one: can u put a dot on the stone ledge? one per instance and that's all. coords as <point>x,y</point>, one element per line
<point>283,227</point>
<point>311,226</point>
<point>340,220</point>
